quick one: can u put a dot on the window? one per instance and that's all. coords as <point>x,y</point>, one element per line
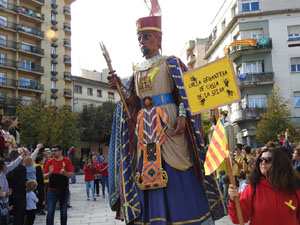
<point>53,67</point>
<point>2,59</point>
<point>223,25</point>
<point>90,91</point>
<point>3,21</point>
<point>78,89</point>
<point>25,100</point>
<point>99,93</point>
<point>53,17</point>
<point>215,33</point>
<point>53,51</point>
<point>257,101</point>
<point>111,95</point>
<point>2,78</point>
<point>3,3</point>
<point>3,39</point>
<point>53,1</point>
<point>253,67</point>
<point>248,6</point>
<point>53,85</point>
<point>233,11</point>
<point>295,64</point>
<point>294,33</point>
<point>28,65</point>
<point>28,83</point>
<point>26,47</point>
<point>297,99</point>
<point>253,34</point>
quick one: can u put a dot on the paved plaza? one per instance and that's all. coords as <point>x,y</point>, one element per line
<point>92,212</point>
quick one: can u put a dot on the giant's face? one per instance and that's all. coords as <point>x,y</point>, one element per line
<point>149,44</point>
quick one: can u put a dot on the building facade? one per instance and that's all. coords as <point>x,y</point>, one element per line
<point>274,58</point>
<point>91,88</point>
<point>35,52</point>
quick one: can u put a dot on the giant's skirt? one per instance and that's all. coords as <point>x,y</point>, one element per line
<point>181,202</point>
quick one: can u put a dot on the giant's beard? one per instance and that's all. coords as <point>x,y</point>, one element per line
<point>145,51</point>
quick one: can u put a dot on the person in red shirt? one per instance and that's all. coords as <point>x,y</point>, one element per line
<point>97,175</point>
<point>104,176</point>
<point>89,172</point>
<point>273,193</point>
<point>59,170</point>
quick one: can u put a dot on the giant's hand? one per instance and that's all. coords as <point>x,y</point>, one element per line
<point>113,80</point>
<point>233,192</point>
<point>179,125</point>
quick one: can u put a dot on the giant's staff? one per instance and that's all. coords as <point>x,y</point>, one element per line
<point>108,61</point>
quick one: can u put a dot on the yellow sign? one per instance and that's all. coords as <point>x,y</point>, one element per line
<point>211,86</point>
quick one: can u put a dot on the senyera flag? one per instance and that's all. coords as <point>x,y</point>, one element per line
<point>217,150</point>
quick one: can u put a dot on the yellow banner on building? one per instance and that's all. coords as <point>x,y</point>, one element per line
<point>212,85</point>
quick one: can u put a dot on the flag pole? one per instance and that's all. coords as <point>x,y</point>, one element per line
<point>231,178</point>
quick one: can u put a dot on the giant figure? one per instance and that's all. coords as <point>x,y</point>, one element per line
<point>156,158</point>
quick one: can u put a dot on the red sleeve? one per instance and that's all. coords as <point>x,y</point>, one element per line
<point>46,168</point>
<point>68,166</point>
<point>246,205</point>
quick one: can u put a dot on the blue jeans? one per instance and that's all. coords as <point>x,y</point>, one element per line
<point>104,181</point>
<point>90,184</point>
<point>52,197</point>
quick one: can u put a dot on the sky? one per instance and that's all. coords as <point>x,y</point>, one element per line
<point>113,22</point>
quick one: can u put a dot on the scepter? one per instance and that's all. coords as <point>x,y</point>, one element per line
<point>108,62</point>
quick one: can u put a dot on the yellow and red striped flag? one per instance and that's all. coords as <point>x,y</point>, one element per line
<point>217,149</point>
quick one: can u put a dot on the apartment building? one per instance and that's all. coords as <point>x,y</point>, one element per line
<point>91,88</point>
<point>273,58</point>
<point>35,52</point>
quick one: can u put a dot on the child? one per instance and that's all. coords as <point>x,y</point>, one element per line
<point>242,182</point>
<point>3,211</point>
<point>31,201</point>
<point>31,171</point>
<point>226,182</point>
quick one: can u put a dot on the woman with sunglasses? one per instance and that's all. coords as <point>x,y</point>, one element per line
<point>273,196</point>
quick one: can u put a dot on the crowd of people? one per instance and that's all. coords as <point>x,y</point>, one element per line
<point>95,172</point>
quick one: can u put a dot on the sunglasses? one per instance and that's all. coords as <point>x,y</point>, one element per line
<point>266,159</point>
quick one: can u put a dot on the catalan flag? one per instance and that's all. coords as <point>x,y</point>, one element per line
<point>247,42</point>
<point>217,150</point>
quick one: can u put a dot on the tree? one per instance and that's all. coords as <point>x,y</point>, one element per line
<point>46,124</point>
<point>276,120</point>
<point>96,122</point>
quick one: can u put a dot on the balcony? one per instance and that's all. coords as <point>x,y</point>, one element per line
<point>67,11</point>
<point>8,25</point>
<point>8,63</point>
<point>31,85</point>
<point>67,42</point>
<point>31,15</point>
<point>8,82</point>
<point>67,76</point>
<point>8,44</point>
<point>67,27</point>
<point>54,6</point>
<point>30,49</point>
<point>10,102</point>
<point>31,31</point>
<point>38,2</point>
<point>243,115</point>
<point>8,7</point>
<point>67,59</point>
<point>263,45</point>
<point>54,73</point>
<point>32,67</point>
<point>255,79</point>
<point>68,93</point>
